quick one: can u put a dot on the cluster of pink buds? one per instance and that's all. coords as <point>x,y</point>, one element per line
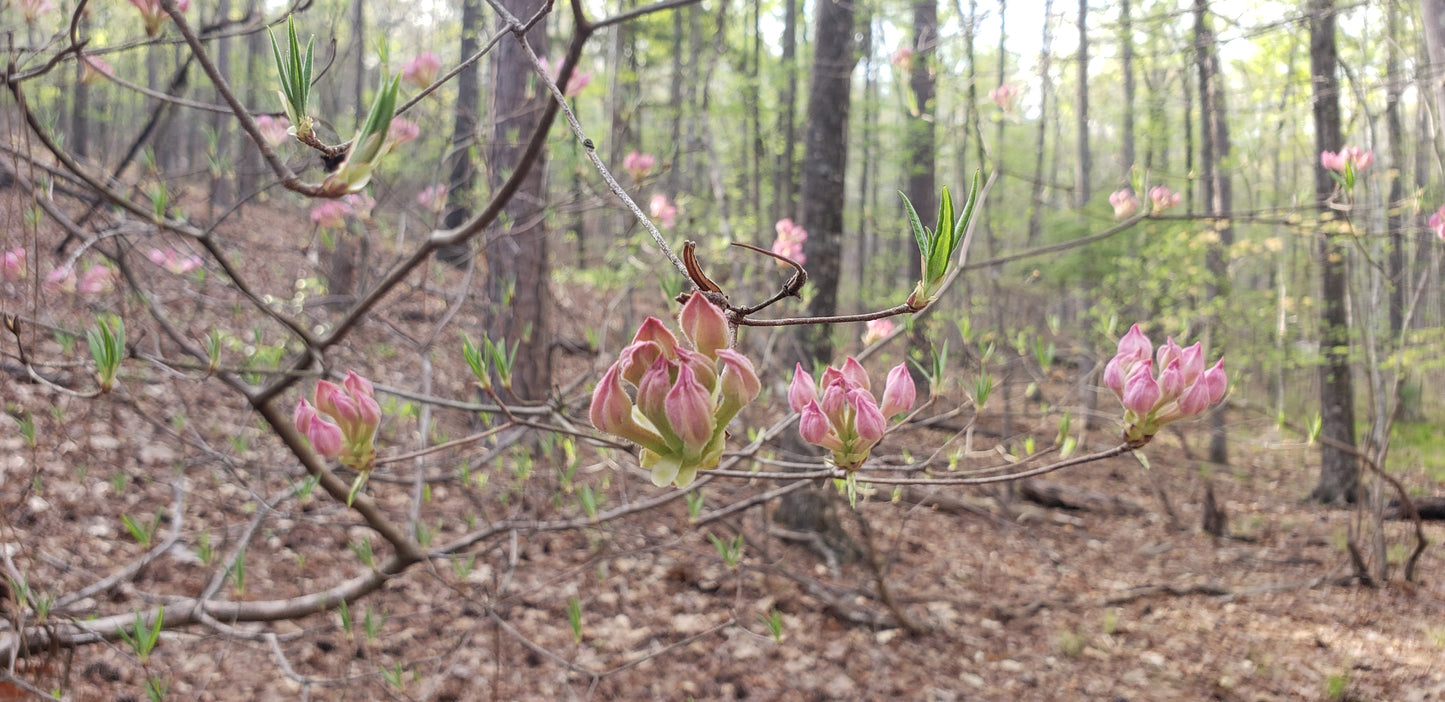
<point>877,330</point>
<point>1183,388</point>
<point>422,70</point>
<point>433,197</point>
<point>33,9</point>
<point>1437,225</point>
<point>1163,198</point>
<point>401,132</point>
<point>1125,203</point>
<point>790,240</point>
<point>682,398</point>
<point>154,15</point>
<point>330,214</point>
<point>638,164</point>
<point>342,424</point>
<point>1004,96</point>
<point>575,85</point>
<point>846,419</point>
<point>173,261</point>
<point>663,211</point>
<point>360,205</point>
<point>12,264</point>
<point>902,58</point>
<point>1350,158</point>
<point>94,281</point>
<point>94,69</point>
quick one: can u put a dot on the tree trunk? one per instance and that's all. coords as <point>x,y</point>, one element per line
<point>1432,14</point>
<point>1083,167</point>
<point>519,280</point>
<point>1394,128</point>
<point>920,157</point>
<point>461,170</point>
<point>1036,197</point>
<point>1126,50</point>
<point>220,145</point>
<point>824,166</point>
<point>785,194</point>
<point>1218,194</point>
<point>1339,470</point>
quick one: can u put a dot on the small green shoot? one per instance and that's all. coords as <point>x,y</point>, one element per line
<point>731,551</point>
<point>107,348</point>
<point>574,618</point>
<point>694,504</point>
<point>295,74</point>
<point>142,637</point>
<point>773,620</point>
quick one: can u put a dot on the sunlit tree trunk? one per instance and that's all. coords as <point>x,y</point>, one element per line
<point>1339,469</point>
<point>1126,57</point>
<point>1083,166</point>
<point>1395,132</point>
<point>1036,196</point>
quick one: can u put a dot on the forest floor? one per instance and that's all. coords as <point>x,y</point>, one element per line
<point>986,594</point>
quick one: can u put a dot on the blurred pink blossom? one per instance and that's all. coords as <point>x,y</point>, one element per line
<point>790,240</point>
<point>1437,225</point>
<point>1350,157</point>
<point>1004,96</point>
<point>273,129</point>
<point>1124,203</point>
<point>360,205</point>
<point>173,261</point>
<point>33,9</point>
<point>576,83</point>
<point>902,58</point>
<point>330,214</point>
<point>422,70</point>
<point>402,131</point>
<point>60,279</point>
<point>433,197</point>
<point>878,330</point>
<point>154,15</point>
<point>96,280</point>
<point>663,211</point>
<point>1163,198</point>
<point>94,69</point>
<point>638,164</point>
<point>12,264</point>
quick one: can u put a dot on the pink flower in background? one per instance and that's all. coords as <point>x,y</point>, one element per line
<point>12,264</point>
<point>94,69</point>
<point>1125,203</point>
<point>96,280</point>
<point>902,58</point>
<point>1183,387</point>
<point>1437,225</point>
<point>663,211</point>
<point>878,330</point>
<point>33,9</point>
<point>173,261</point>
<point>273,129</point>
<point>154,16</point>
<point>433,197</point>
<point>422,70</point>
<point>360,205</point>
<point>576,83</point>
<point>1004,96</point>
<point>60,279</point>
<point>330,214</point>
<point>401,132</point>
<point>638,164</point>
<point>1163,198</point>
<point>790,240</point>
<point>1349,158</point>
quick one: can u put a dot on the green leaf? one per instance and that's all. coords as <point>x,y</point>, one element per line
<point>919,233</point>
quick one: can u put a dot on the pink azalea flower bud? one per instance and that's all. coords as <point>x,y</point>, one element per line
<point>325,437</point>
<point>815,428</point>
<point>12,264</point>
<point>611,411</point>
<point>1124,203</point>
<point>433,197</point>
<point>1163,198</point>
<point>333,400</point>
<point>663,211</point>
<point>1004,96</point>
<point>900,392</point>
<point>704,369</point>
<point>577,83</point>
<point>902,58</point>
<point>1167,353</point>
<point>1195,399</point>
<point>637,358</point>
<point>689,412</point>
<point>154,16</point>
<point>400,132</point>
<point>1141,392</point>
<point>789,243</point>
<point>877,330</point>
<point>1171,381</point>
<point>1437,223</point>
<point>1115,373</point>
<point>737,385</point>
<point>638,164</point>
<point>1333,161</point>
<point>360,205</point>
<point>704,325</point>
<point>303,416</point>
<point>96,280</point>
<point>1134,346</point>
<point>1217,382</point>
<point>801,390</point>
<point>361,391</point>
<point>330,214</point>
<point>868,420</point>
<point>653,330</point>
<point>835,400</point>
<point>1192,362</point>
<point>273,129</point>
<point>422,70</point>
<point>33,9</point>
<point>94,69</point>
<point>60,279</point>
<point>1363,159</point>
<point>854,372</point>
<point>652,392</point>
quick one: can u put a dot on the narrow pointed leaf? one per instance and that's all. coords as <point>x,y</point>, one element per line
<point>919,233</point>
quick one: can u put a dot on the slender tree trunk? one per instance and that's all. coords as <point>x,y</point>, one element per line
<point>1339,470</point>
<point>220,143</point>
<point>920,149</point>
<point>519,279</point>
<point>461,170</point>
<point>1432,15</point>
<point>359,107</point>
<point>785,173</point>
<point>1083,167</point>
<point>1188,138</point>
<point>1218,193</point>
<point>1126,50</point>
<point>1395,132</point>
<point>1036,197</point>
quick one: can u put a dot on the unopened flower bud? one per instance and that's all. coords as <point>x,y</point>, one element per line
<point>900,392</point>
<point>868,420</point>
<point>801,390</point>
<point>704,325</point>
<point>689,411</point>
<point>1141,392</point>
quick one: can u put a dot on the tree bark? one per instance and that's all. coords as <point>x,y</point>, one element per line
<point>519,278</point>
<point>1036,196</point>
<point>1394,129</point>
<point>1083,167</point>
<point>461,170</point>
<point>1218,194</point>
<point>1339,469</point>
<point>785,193</point>
<point>1126,50</point>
